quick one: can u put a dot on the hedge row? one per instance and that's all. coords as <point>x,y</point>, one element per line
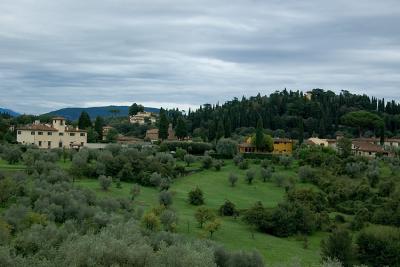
<point>196,148</point>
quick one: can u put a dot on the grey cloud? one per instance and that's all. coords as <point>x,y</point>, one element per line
<point>55,54</point>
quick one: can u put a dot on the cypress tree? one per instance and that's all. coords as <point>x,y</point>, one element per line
<point>181,130</point>
<point>84,120</point>
<point>260,134</point>
<point>163,125</point>
<point>220,130</point>
<point>301,131</point>
<point>98,127</point>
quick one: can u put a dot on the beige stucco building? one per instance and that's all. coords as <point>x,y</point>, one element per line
<point>143,118</point>
<point>54,135</point>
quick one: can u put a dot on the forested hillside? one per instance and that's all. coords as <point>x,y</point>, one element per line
<point>319,113</point>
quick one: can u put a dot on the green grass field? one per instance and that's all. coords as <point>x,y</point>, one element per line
<point>234,233</point>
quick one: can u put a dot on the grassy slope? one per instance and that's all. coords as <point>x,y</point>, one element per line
<point>233,233</point>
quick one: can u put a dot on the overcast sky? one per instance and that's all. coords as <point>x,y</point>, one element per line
<point>74,53</point>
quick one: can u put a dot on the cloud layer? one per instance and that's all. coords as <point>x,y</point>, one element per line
<point>55,54</point>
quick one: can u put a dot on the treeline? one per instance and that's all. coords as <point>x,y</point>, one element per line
<point>291,112</point>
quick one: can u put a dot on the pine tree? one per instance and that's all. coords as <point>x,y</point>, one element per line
<point>163,125</point>
<point>181,130</point>
<point>135,108</point>
<point>84,120</point>
<point>228,129</point>
<point>301,131</point>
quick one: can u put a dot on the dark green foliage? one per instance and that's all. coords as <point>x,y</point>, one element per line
<point>135,109</point>
<point>344,147</point>
<point>266,174</point>
<point>379,246</point>
<point>195,148</point>
<point>180,129</point>
<point>227,148</point>
<point>259,138</point>
<point>196,197</point>
<point>165,198</point>
<point>362,120</point>
<point>189,159</point>
<point>207,162</point>
<point>250,174</point>
<point>105,182</point>
<point>84,120</point>
<point>286,161</point>
<point>12,154</point>
<point>338,245</point>
<point>98,127</point>
<point>307,174</point>
<point>163,125</point>
<point>228,209</point>
<point>203,215</point>
<point>180,153</point>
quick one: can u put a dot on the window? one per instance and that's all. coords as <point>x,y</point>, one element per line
<point>49,133</point>
<point>32,133</point>
<point>71,134</point>
<point>19,132</point>
<point>61,122</point>
<point>61,134</point>
<point>40,133</point>
<point>60,144</point>
<point>82,134</point>
<point>40,143</point>
<point>81,143</point>
<point>49,143</point>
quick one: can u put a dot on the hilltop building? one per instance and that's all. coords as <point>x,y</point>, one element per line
<point>143,118</point>
<point>54,135</point>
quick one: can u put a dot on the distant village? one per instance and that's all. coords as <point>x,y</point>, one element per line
<point>58,134</point>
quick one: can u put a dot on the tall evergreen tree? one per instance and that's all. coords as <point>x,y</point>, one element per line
<point>220,130</point>
<point>98,127</point>
<point>301,131</point>
<point>163,125</point>
<point>260,140</point>
<point>181,130</point>
<point>84,120</point>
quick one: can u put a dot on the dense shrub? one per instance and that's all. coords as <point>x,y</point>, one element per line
<point>228,209</point>
<point>196,148</point>
<point>196,197</point>
<point>227,147</point>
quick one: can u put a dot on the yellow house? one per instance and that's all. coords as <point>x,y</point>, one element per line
<point>281,146</point>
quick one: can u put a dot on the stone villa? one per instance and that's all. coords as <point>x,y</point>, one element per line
<point>143,118</point>
<point>54,135</point>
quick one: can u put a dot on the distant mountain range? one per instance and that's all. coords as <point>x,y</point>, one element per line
<point>9,111</point>
<point>74,113</point>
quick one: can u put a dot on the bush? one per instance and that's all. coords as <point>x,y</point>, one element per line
<point>12,155</point>
<point>196,148</point>
<point>207,162</point>
<point>105,182</point>
<point>232,178</point>
<point>196,197</point>
<point>155,179</point>
<point>307,174</point>
<point>169,220</point>
<point>203,215</point>
<point>379,246</point>
<point>266,174</point>
<point>189,159</point>
<point>250,174</point>
<point>237,159</point>
<point>227,147</point>
<point>135,191</point>
<point>180,153</point>
<point>228,209</point>
<point>286,161</point>
<point>165,198</point>
<point>244,164</point>
<point>338,246</point>
<point>217,165</point>
<point>151,222</point>
<point>265,163</point>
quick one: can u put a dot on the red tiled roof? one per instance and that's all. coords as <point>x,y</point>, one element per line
<point>37,127</point>
<point>367,147</point>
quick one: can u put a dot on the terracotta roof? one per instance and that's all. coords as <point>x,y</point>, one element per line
<point>367,147</point>
<point>58,118</point>
<point>246,145</point>
<point>152,131</point>
<point>37,127</point>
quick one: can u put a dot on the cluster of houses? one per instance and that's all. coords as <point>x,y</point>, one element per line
<point>142,118</point>
<point>58,134</point>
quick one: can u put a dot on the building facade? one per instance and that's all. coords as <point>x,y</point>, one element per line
<point>281,146</point>
<point>54,135</point>
<point>143,118</point>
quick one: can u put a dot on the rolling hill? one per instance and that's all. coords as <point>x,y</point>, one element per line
<point>9,111</point>
<point>74,113</point>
